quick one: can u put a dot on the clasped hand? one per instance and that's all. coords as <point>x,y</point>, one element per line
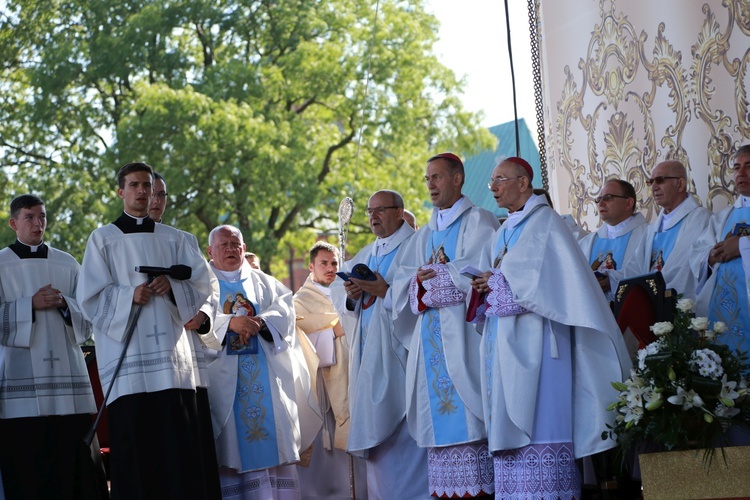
<point>48,298</point>
<point>245,327</point>
<point>724,251</point>
<point>143,292</point>
<point>480,282</point>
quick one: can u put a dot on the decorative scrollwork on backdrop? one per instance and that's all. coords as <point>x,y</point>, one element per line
<point>635,104</point>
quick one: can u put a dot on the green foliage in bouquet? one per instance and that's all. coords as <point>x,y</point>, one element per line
<point>686,389</point>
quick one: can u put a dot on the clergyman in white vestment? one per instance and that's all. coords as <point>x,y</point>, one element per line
<point>548,352</point>
<point>443,395</point>
<point>666,244</point>
<point>46,400</point>
<point>396,466</point>
<point>152,411</point>
<point>264,412</point>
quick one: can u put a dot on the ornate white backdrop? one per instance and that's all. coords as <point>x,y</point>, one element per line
<point>630,83</point>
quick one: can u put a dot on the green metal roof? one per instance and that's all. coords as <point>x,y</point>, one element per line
<point>479,167</point>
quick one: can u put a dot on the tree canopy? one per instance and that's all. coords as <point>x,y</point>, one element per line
<point>259,113</point>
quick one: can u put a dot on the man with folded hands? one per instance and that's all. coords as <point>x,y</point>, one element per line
<point>443,394</point>
<point>550,345</point>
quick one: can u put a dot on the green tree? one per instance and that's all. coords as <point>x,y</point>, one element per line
<point>262,114</point>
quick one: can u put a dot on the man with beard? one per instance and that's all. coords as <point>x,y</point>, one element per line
<point>329,472</point>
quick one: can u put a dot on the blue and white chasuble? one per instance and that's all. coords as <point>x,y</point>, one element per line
<point>729,297</point>
<point>378,265</point>
<point>609,254</point>
<point>663,245</point>
<point>447,409</point>
<point>253,408</point>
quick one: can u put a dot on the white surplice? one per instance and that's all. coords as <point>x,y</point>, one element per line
<point>160,355</point>
<point>41,364</point>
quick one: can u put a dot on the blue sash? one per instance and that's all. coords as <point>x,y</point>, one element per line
<point>253,402</point>
<point>378,265</point>
<point>663,246</point>
<point>608,253</point>
<point>729,296</point>
<point>505,241</point>
<point>447,410</point>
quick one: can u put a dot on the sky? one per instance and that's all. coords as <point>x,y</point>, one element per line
<point>473,43</point>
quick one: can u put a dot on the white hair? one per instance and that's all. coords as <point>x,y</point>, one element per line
<point>235,231</point>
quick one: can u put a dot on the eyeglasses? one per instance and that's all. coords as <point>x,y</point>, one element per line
<point>161,195</point>
<point>608,197</point>
<point>498,180</point>
<point>377,210</point>
<point>660,180</point>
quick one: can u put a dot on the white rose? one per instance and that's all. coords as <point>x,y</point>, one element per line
<point>709,335</point>
<point>720,327</point>
<point>685,305</point>
<point>661,328</point>
<point>699,324</point>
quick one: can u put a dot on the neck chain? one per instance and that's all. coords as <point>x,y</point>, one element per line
<point>504,250</point>
<point>506,242</point>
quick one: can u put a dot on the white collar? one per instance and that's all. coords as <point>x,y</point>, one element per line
<point>138,220</point>
<point>32,248</point>
<point>228,276</point>
<point>516,217</point>
<point>745,201</point>
<point>447,216</point>
<point>619,229</point>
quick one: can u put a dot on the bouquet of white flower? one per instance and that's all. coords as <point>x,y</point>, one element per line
<point>686,390</point>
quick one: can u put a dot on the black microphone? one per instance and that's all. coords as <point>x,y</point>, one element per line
<point>178,271</point>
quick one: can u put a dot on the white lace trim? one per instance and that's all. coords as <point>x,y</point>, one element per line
<point>460,470</point>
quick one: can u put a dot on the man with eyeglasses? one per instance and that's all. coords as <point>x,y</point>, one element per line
<point>550,345</point>
<point>666,244</point>
<point>153,423</point>
<point>396,466</point>
<point>199,329</point>
<point>613,245</point>
<point>443,394</point>
<point>159,200</point>
<point>721,261</point>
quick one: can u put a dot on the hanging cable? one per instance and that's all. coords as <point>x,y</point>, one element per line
<point>513,80</point>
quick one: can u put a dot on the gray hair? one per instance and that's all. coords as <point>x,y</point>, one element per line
<point>235,231</point>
